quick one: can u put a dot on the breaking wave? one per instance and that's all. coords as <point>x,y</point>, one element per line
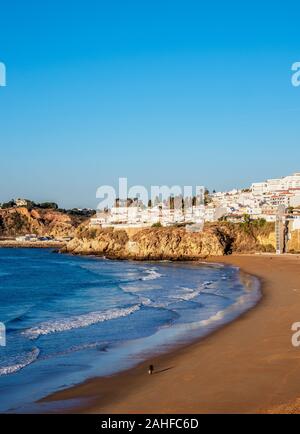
<point>80,321</point>
<point>19,362</point>
<point>189,293</point>
<point>152,274</point>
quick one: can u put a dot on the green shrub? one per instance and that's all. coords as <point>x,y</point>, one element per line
<point>157,225</point>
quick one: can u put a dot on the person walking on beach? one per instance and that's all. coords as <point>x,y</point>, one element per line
<point>151,369</point>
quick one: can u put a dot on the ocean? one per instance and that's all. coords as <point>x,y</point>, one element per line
<point>70,318</point>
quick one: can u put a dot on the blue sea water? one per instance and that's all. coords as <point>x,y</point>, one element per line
<point>69,318</point>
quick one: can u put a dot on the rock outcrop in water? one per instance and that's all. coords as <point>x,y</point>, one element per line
<point>170,243</point>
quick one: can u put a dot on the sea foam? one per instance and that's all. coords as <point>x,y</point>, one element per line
<point>152,274</point>
<point>80,321</point>
<point>19,362</point>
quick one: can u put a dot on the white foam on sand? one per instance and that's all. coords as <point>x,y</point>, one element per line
<point>242,304</point>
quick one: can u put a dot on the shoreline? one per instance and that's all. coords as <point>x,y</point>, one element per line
<point>200,373</point>
<point>250,282</point>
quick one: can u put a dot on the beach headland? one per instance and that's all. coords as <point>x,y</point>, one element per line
<point>248,366</point>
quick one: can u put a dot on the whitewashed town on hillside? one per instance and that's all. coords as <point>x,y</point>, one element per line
<point>260,201</point>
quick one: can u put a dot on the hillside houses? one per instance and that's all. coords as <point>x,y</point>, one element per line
<point>261,200</point>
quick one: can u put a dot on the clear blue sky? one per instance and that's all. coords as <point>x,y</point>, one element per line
<point>163,92</point>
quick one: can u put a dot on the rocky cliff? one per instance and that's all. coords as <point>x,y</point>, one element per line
<point>170,243</point>
<point>21,221</point>
<point>294,242</point>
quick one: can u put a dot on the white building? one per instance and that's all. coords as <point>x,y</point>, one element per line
<point>259,188</point>
<point>296,223</point>
<point>139,216</point>
<point>213,214</point>
<point>277,184</point>
<point>21,202</point>
<point>27,237</point>
<point>97,221</point>
<point>295,199</point>
<point>260,201</point>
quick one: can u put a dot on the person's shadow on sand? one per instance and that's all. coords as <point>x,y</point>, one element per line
<point>163,370</point>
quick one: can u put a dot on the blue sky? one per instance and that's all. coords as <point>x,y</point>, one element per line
<point>163,92</point>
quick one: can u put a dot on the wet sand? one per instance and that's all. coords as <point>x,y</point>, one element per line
<point>248,366</point>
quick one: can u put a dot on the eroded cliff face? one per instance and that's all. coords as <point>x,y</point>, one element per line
<point>294,242</point>
<point>166,243</point>
<point>21,221</point>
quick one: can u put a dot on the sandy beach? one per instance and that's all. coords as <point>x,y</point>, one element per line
<point>248,366</point>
